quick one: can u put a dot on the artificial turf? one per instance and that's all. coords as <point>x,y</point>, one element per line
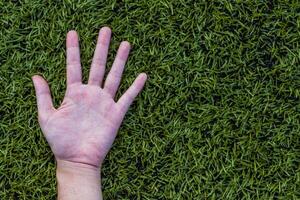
<point>219,116</point>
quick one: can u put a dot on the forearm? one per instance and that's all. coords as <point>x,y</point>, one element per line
<point>78,181</point>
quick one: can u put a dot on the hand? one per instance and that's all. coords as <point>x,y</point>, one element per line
<point>84,127</point>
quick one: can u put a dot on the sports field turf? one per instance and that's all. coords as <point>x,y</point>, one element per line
<point>219,116</point>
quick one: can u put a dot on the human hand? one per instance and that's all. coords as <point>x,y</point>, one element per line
<point>84,127</point>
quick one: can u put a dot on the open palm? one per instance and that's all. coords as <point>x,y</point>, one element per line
<point>84,127</point>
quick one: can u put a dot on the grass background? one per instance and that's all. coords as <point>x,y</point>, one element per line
<point>219,116</point>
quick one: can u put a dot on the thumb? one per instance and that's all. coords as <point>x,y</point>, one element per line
<point>43,96</point>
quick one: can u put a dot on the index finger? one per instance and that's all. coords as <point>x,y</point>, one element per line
<point>73,58</point>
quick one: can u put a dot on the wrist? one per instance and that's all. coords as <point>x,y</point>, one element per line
<point>76,167</point>
<point>77,180</point>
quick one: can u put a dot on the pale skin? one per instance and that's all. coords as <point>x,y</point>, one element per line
<point>82,130</point>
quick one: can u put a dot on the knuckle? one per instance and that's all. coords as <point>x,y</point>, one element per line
<point>116,75</point>
<point>98,62</point>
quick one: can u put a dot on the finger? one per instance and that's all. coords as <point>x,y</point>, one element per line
<point>100,56</point>
<point>43,96</point>
<point>128,97</point>
<point>73,59</point>
<point>114,76</point>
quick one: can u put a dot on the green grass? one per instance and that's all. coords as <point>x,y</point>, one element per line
<point>219,116</point>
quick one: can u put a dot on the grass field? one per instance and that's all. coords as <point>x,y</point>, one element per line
<point>219,116</point>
